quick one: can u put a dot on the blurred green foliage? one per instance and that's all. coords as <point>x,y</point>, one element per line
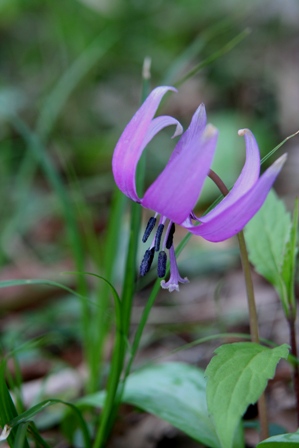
<point>71,70</point>
<point>70,79</point>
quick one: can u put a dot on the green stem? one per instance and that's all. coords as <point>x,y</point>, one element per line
<point>254,332</point>
<point>253,319</point>
<point>294,351</point>
<point>123,320</point>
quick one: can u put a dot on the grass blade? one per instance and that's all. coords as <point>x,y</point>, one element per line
<point>213,57</point>
<point>71,78</point>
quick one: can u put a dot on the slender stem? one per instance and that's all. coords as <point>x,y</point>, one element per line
<point>254,332</point>
<point>294,351</point>
<point>253,320</point>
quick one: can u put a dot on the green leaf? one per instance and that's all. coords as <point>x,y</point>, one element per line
<point>8,410</point>
<point>30,413</point>
<point>21,433</point>
<point>283,440</point>
<point>289,263</point>
<point>174,392</point>
<point>237,376</point>
<point>70,79</point>
<point>266,236</point>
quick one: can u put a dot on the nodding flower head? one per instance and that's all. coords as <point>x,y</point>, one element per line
<point>173,195</point>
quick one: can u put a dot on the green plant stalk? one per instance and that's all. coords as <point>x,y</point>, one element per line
<point>213,57</point>
<point>123,320</point>
<point>49,114</point>
<point>253,319</point>
<point>290,302</point>
<point>114,376</point>
<point>68,82</point>
<point>40,155</point>
<point>119,353</point>
<point>149,304</point>
<point>294,351</point>
<point>102,322</point>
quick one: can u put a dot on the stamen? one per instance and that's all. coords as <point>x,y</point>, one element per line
<point>161,268</point>
<point>158,237</point>
<point>147,261</point>
<point>169,240</point>
<point>150,225</point>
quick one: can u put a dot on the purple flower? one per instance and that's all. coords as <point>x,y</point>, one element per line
<point>173,195</point>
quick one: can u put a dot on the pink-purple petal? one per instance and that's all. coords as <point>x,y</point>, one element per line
<point>232,219</point>
<point>248,177</point>
<point>176,190</point>
<point>159,123</point>
<point>130,145</point>
<point>195,129</point>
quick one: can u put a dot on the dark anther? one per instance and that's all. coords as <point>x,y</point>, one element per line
<point>170,236</point>
<point>147,261</point>
<point>158,237</point>
<point>150,225</point>
<point>162,259</point>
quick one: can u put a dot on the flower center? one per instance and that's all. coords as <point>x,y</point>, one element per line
<point>156,244</point>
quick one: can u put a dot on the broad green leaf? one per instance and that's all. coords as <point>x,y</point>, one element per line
<point>174,392</point>
<point>289,263</point>
<point>290,440</point>
<point>237,376</point>
<point>266,236</point>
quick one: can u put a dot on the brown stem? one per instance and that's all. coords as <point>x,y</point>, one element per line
<point>219,182</point>
<point>294,351</point>
<point>253,320</point>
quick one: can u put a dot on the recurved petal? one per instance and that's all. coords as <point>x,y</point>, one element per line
<point>248,177</point>
<point>176,190</point>
<point>131,143</point>
<point>233,218</point>
<point>159,123</point>
<point>195,129</point>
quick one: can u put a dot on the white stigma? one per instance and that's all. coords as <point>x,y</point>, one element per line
<point>242,132</point>
<point>209,131</point>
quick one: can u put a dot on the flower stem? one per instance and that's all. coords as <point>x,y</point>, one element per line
<point>253,320</point>
<point>294,351</point>
<point>254,332</point>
